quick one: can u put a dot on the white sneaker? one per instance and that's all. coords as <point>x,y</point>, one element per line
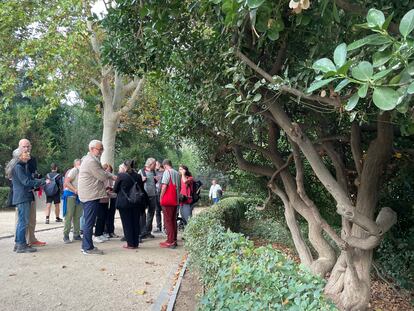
<point>98,239</point>
<point>94,251</point>
<point>106,235</point>
<point>104,238</point>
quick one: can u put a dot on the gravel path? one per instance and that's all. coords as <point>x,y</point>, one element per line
<point>60,277</point>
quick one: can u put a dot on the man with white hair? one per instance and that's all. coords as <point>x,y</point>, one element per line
<point>91,188</point>
<point>26,146</point>
<point>148,176</point>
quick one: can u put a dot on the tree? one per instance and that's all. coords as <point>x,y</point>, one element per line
<point>264,117</point>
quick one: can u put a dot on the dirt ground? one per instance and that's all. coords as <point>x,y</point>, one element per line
<point>190,292</point>
<point>60,277</point>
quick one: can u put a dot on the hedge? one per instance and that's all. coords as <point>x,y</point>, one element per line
<point>238,276</point>
<point>4,193</point>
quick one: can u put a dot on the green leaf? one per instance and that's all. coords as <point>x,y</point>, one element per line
<point>388,21</point>
<point>257,97</point>
<point>407,23</point>
<point>352,102</point>
<point>324,64</point>
<point>253,4</point>
<point>381,74</point>
<point>318,84</point>
<point>381,58</point>
<point>363,90</point>
<point>344,69</point>
<point>341,85</point>
<point>385,98</point>
<point>375,39</point>
<point>335,13</point>
<point>363,71</point>
<point>340,55</point>
<point>410,89</point>
<point>375,18</point>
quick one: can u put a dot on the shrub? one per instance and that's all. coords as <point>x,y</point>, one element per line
<point>4,193</point>
<point>239,276</point>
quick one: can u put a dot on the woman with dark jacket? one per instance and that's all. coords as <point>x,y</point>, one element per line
<point>129,212</point>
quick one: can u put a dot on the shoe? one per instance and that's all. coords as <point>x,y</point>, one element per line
<point>104,238</point>
<point>149,235</point>
<point>157,231</point>
<point>98,239</point>
<point>107,235</point>
<point>129,247</point>
<point>77,238</point>
<point>37,243</point>
<point>47,221</point>
<point>59,219</point>
<point>113,235</point>
<point>168,245</point>
<point>123,239</point>
<point>94,251</point>
<point>66,239</point>
<point>25,249</point>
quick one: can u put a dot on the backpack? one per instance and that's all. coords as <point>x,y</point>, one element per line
<point>51,188</point>
<point>196,191</point>
<point>135,195</point>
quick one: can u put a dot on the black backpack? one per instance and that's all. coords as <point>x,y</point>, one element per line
<point>51,188</point>
<point>136,196</point>
<point>196,191</point>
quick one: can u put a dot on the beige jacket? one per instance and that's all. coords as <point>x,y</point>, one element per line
<point>92,179</point>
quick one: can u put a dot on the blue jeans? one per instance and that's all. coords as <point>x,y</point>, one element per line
<point>216,200</point>
<point>186,212</point>
<point>90,209</point>
<point>23,213</point>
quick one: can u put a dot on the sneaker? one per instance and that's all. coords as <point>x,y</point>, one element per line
<point>113,235</point>
<point>107,235</point>
<point>77,238</point>
<point>98,239</point>
<point>25,249</point>
<point>123,239</point>
<point>38,243</point>
<point>157,231</point>
<point>168,245</point>
<point>129,247</point>
<point>104,238</point>
<point>47,221</point>
<point>148,235</point>
<point>59,219</point>
<point>94,251</point>
<point>66,239</point>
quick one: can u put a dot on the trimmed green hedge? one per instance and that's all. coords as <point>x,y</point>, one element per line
<point>4,193</point>
<point>239,276</point>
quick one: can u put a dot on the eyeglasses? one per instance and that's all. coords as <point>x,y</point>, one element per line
<point>100,149</point>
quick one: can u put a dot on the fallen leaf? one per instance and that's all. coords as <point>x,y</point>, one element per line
<point>12,274</point>
<point>63,267</point>
<point>147,283</point>
<point>150,301</point>
<point>102,269</point>
<point>140,292</point>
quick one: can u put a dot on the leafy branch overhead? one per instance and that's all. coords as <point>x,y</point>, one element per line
<point>386,78</point>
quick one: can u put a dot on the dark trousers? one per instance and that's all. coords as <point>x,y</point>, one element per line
<point>90,209</point>
<point>110,217</point>
<point>130,223</point>
<point>150,213</point>
<point>101,218</point>
<point>170,222</point>
<point>158,213</point>
<point>143,222</point>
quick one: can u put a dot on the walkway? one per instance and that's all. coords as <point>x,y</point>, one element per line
<point>60,277</point>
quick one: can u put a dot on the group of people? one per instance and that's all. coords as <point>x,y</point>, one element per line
<point>91,193</point>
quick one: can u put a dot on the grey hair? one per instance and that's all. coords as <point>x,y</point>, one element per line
<point>76,160</point>
<point>12,163</point>
<point>150,161</point>
<point>94,143</point>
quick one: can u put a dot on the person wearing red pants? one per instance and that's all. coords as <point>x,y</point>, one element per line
<point>170,188</point>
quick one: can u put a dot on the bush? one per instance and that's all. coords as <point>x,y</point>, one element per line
<point>4,194</point>
<point>239,276</point>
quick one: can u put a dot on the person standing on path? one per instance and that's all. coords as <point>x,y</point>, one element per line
<point>23,184</point>
<point>129,212</point>
<point>170,188</point>
<point>215,191</point>
<point>74,208</point>
<point>91,188</point>
<point>148,176</point>
<point>26,146</point>
<point>186,191</point>
<point>54,197</point>
<point>102,212</point>
<point>159,171</point>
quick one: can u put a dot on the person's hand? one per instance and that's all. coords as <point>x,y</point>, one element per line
<point>48,181</point>
<point>144,178</point>
<point>114,177</point>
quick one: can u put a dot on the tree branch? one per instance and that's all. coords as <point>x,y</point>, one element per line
<point>131,101</point>
<point>356,146</point>
<point>250,167</point>
<point>284,88</point>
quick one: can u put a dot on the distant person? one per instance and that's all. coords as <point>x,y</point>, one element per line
<point>129,211</point>
<point>215,192</point>
<point>102,212</point>
<point>23,185</point>
<point>170,188</point>
<point>109,231</point>
<point>148,176</point>
<point>53,191</point>
<point>186,190</point>
<point>91,188</point>
<point>159,171</point>
<point>26,146</point>
<point>73,205</point>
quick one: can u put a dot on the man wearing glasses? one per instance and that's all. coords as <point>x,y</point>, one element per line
<point>91,188</point>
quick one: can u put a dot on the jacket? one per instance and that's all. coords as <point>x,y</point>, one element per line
<point>23,184</point>
<point>122,186</point>
<point>91,179</point>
